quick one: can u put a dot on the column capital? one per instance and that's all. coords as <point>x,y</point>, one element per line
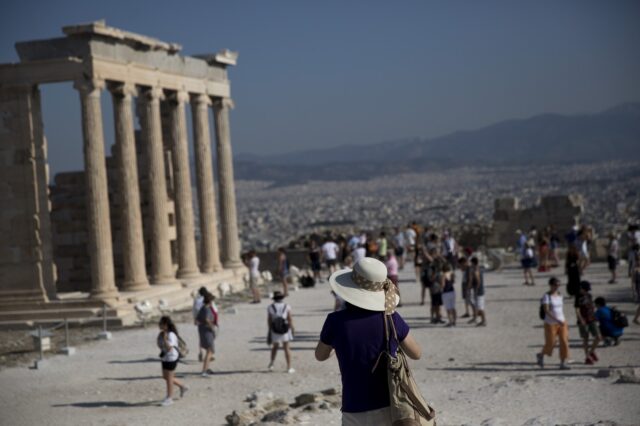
<point>200,99</point>
<point>122,89</point>
<point>152,93</point>
<point>179,97</point>
<point>91,87</point>
<point>220,103</point>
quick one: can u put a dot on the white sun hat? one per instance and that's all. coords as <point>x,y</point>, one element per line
<point>366,286</point>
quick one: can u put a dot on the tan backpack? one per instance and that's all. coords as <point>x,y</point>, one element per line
<point>408,406</point>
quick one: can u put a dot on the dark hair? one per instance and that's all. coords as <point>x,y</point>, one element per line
<point>600,301</point>
<point>554,281</point>
<point>208,298</point>
<point>202,291</point>
<point>474,260</point>
<point>166,320</point>
<point>585,285</point>
<point>446,267</point>
<point>462,259</point>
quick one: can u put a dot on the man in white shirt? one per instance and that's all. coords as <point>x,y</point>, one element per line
<point>330,254</point>
<point>410,237</point>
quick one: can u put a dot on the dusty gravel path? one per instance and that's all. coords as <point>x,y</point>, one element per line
<point>471,375</point>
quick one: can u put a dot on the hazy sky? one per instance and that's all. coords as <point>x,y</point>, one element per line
<point>355,72</point>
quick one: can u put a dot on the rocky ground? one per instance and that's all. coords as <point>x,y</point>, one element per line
<point>473,376</point>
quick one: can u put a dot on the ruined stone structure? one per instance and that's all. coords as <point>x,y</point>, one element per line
<point>560,211</point>
<point>163,84</point>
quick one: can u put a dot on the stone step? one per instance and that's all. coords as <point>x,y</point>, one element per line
<point>53,305</point>
<point>53,314</point>
<point>112,322</point>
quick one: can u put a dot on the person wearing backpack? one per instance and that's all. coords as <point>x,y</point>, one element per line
<point>281,329</point>
<point>555,325</point>
<point>611,332</point>
<point>587,322</point>
<point>168,341</point>
<point>207,323</point>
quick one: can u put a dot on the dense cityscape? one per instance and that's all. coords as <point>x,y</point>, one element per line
<point>272,216</point>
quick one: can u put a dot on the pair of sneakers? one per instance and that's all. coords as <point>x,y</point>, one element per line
<point>290,370</point>
<point>540,362</point>
<point>169,401</point>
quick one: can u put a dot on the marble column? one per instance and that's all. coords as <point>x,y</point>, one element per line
<point>97,196</point>
<point>209,251</point>
<point>160,252</point>
<point>187,258</point>
<point>226,186</point>
<point>133,258</point>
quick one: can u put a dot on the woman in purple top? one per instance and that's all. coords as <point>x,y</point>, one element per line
<point>357,336</point>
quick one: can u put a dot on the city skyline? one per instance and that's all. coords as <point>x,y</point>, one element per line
<point>313,75</point>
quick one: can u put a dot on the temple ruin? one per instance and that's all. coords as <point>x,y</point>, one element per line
<point>560,211</point>
<point>148,208</point>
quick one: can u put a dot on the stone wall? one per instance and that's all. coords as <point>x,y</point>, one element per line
<point>560,211</point>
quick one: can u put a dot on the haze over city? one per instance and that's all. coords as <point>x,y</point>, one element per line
<point>327,74</point>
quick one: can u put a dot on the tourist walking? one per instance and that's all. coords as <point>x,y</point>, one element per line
<point>613,254</point>
<point>587,322</point>
<point>383,246</point>
<point>449,248</point>
<point>357,336</point>
<point>435,290</point>
<point>207,327</point>
<point>399,247</point>
<point>168,343</point>
<point>610,331</point>
<point>330,254</point>
<point>281,330</point>
<point>572,270</point>
<point>425,275</point>
<point>447,279</point>
<point>252,261</point>
<point>359,253</point>
<point>528,261</point>
<point>555,325</point>
<point>313,256</point>
<point>418,259</point>
<point>410,238</point>
<point>463,264</point>
<point>392,268</point>
<point>198,302</point>
<point>476,276</point>
<point>283,269</point>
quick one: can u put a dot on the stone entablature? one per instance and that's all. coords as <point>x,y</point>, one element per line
<point>151,73</point>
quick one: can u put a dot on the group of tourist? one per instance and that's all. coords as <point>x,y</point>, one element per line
<point>363,276</point>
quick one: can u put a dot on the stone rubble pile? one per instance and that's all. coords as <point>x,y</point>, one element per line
<point>264,408</point>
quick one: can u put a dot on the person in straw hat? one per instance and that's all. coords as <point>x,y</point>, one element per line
<point>357,335</point>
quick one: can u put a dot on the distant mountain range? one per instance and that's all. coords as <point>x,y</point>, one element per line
<point>613,134</point>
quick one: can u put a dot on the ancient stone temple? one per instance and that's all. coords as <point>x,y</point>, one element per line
<point>162,84</point>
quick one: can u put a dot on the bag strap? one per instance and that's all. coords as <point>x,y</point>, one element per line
<point>386,318</point>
